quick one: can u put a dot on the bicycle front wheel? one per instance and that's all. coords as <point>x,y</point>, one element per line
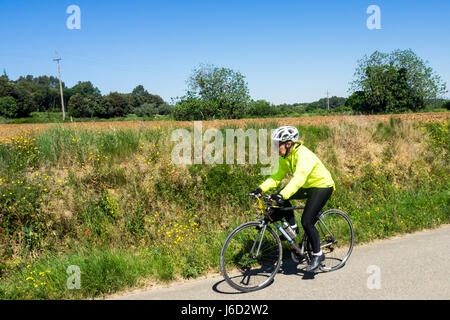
<point>336,238</point>
<point>251,256</point>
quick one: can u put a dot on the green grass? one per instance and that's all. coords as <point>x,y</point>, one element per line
<point>105,271</point>
<point>56,117</point>
<point>113,203</point>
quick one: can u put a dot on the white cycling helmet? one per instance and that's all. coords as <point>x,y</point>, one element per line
<point>286,133</point>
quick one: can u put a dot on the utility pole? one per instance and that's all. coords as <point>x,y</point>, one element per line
<point>328,102</point>
<point>60,86</point>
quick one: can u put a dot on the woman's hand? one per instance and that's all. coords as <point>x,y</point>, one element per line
<point>257,191</point>
<point>278,198</point>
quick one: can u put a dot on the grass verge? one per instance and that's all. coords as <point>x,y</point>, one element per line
<point>115,206</point>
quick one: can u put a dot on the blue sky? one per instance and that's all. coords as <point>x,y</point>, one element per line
<point>289,51</point>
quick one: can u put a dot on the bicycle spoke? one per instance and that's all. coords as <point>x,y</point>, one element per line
<point>336,238</point>
<point>244,268</point>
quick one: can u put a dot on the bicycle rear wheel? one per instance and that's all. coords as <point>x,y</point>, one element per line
<point>251,256</point>
<point>336,238</point>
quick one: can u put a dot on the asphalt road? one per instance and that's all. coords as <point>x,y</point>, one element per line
<point>414,266</point>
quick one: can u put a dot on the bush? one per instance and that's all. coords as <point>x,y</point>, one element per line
<point>446,105</point>
<point>261,108</point>
<point>164,109</point>
<point>145,110</point>
<point>196,109</point>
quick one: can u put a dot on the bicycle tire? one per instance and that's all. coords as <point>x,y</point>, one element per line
<point>339,245</point>
<point>233,257</point>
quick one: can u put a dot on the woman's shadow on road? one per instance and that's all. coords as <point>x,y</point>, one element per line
<point>288,267</point>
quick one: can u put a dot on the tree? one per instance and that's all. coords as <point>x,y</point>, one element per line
<point>85,88</point>
<point>140,96</point>
<point>357,102</point>
<point>191,108</point>
<point>383,88</point>
<point>164,109</point>
<point>77,106</point>
<point>404,97</point>
<point>96,106</point>
<point>8,107</point>
<point>20,93</point>
<point>6,86</point>
<point>221,87</point>
<point>261,108</point>
<point>117,104</point>
<point>145,110</point>
<point>389,92</point>
<point>80,106</point>
<point>396,81</point>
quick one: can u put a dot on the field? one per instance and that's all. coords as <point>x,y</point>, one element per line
<point>7,130</point>
<point>107,198</point>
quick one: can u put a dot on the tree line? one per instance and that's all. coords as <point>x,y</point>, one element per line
<point>394,82</point>
<point>29,94</point>
<point>19,98</point>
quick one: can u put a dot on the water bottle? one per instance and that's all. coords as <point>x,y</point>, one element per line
<point>287,227</point>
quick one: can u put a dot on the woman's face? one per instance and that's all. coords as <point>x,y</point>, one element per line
<point>283,148</point>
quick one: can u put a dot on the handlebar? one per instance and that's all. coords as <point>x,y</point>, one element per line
<point>257,196</point>
<point>272,202</point>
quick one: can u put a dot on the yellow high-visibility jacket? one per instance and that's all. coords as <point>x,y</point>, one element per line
<point>307,172</point>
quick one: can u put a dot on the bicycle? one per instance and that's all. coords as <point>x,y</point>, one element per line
<point>252,253</point>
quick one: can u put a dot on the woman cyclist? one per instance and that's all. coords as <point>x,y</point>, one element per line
<point>310,181</point>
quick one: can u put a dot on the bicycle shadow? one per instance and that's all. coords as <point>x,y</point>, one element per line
<point>288,267</point>
<point>226,288</point>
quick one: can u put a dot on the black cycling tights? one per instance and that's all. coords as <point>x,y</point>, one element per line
<point>316,199</point>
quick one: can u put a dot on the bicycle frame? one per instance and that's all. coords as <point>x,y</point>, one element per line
<point>299,248</point>
<point>322,226</point>
<point>265,221</point>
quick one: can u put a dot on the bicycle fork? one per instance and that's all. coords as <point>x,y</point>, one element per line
<point>254,255</point>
